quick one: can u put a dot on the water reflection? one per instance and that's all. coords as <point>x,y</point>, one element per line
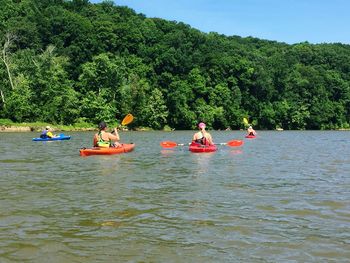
<point>236,152</point>
<point>167,152</point>
<point>201,163</point>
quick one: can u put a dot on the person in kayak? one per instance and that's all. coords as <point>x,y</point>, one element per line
<point>47,133</point>
<point>202,137</point>
<point>104,138</point>
<point>251,131</point>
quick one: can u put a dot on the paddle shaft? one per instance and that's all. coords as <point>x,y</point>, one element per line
<point>185,144</point>
<point>171,144</point>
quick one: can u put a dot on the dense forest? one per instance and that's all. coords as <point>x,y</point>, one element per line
<point>67,62</point>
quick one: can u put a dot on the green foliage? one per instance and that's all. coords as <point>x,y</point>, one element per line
<point>96,108</point>
<point>6,122</point>
<point>83,123</point>
<point>155,111</point>
<point>19,101</point>
<point>77,62</point>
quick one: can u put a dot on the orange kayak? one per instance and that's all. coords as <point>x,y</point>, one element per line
<point>125,147</point>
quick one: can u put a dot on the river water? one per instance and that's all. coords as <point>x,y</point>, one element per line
<point>282,197</point>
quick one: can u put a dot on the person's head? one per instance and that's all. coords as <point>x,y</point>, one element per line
<point>102,126</point>
<point>48,128</point>
<point>201,126</point>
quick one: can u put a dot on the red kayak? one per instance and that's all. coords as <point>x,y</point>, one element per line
<point>250,136</point>
<point>125,147</point>
<point>199,148</point>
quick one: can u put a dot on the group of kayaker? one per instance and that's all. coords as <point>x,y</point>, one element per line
<point>204,138</point>
<point>110,139</point>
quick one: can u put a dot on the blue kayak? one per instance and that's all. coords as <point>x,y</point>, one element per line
<point>61,137</point>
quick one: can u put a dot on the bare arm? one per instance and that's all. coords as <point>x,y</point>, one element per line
<point>196,136</point>
<point>95,140</point>
<point>115,136</point>
<point>209,138</point>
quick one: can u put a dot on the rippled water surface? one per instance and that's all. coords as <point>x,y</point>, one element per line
<point>282,197</point>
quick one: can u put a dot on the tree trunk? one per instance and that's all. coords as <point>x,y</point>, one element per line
<point>8,41</point>
<point>9,38</point>
<point>2,98</point>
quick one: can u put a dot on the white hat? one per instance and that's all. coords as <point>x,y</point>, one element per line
<point>48,127</point>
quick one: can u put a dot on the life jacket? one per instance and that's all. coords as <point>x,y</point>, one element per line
<point>202,141</point>
<point>101,142</point>
<point>49,134</point>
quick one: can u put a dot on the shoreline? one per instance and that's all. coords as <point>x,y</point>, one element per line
<point>14,128</point>
<point>11,128</point>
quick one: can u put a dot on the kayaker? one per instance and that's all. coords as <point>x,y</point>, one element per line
<point>47,133</point>
<point>251,131</point>
<point>104,138</point>
<point>203,137</point>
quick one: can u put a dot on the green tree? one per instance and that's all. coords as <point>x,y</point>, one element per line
<point>19,105</point>
<point>95,108</point>
<point>155,111</point>
<point>179,96</point>
<point>53,91</point>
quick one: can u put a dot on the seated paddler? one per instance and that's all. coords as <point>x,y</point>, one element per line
<point>104,138</point>
<point>202,137</point>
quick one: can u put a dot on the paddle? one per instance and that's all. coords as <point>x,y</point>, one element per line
<point>171,144</point>
<point>127,119</point>
<point>245,121</point>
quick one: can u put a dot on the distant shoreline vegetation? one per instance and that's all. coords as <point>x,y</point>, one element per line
<point>74,62</point>
<point>38,127</point>
<point>9,126</point>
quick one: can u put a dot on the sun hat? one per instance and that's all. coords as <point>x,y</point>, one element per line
<point>47,127</point>
<point>201,125</point>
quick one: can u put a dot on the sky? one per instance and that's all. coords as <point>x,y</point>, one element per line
<point>289,21</point>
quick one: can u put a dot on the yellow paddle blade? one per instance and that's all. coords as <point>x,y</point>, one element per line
<point>245,121</point>
<point>127,119</point>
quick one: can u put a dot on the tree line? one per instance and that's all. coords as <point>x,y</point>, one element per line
<point>67,62</point>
